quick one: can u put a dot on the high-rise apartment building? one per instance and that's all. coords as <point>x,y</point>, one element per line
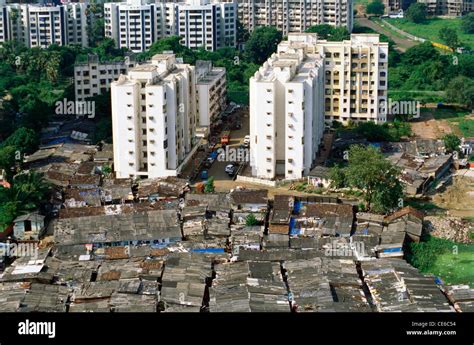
<point>211,92</point>
<point>451,8</point>
<point>356,79</point>
<point>41,26</point>
<point>306,83</point>
<point>295,15</point>
<point>286,111</point>
<point>202,23</point>
<point>137,24</point>
<point>154,118</point>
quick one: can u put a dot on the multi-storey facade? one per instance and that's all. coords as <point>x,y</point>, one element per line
<point>295,15</point>
<point>306,83</point>
<point>93,77</point>
<point>211,92</point>
<point>452,8</point>
<point>356,79</point>
<point>286,111</point>
<point>137,24</point>
<point>392,6</point>
<point>153,118</point>
<point>201,23</point>
<point>41,26</point>
<point>134,24</point>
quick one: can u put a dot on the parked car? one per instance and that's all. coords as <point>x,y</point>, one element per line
<point>204,175</point>
<point>230,169</point>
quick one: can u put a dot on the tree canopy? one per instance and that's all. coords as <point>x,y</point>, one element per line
<point>450,37</point>
<point>368,171</point>
<point>263,42</point>
<point>26,194</point>
<point>329,32</point>
<point>376,7</point>
<point>417,12</point>
<point>451,142</point>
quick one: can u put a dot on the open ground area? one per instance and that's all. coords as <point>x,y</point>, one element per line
<point>458,198</point>
<point>435,123</point>
<point>430,29</point>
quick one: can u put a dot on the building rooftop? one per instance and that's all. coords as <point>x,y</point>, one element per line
<point>141,226</point>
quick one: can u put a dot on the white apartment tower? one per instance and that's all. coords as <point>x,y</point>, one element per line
<point>295,15</point>
<point>306,83</point>
<point>202,23</point>
<point>41,26</point>
<point>137,24</point>
<point>153,118</point>
<point>286,111</point>
<point>211,92</point>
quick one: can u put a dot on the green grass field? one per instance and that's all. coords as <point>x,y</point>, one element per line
<point>452,262</point>
<point>456,268</point>
<point>430,29</point>
<point>467,127</point>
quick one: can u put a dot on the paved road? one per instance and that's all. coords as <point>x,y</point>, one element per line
<point>402,44</point>
<point>236,139</point>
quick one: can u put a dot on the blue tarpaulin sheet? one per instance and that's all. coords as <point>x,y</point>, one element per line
<point>208,250</point>
<point>392,250</point>
<point>294,231</point>
<point>297,207</point>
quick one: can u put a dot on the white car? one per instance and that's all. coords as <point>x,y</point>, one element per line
<point>230,169</point>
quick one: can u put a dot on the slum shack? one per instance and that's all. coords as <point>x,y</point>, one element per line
<point>245,202</point>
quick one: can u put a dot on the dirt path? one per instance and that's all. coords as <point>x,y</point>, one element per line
<point>402,44</point>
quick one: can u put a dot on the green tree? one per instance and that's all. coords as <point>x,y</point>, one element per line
<point>467,23</point>
<point>95,29</point>
<point>376,7</point>
<point>329,32</point>
<point>450,37</point>
<point>368,171</point>
<point>451,142</point>
<point>30,190</point>
<point>461,90</point>
<point>209,186</point>
<point>7,160</point>
<point>263,42</point>
<point>337,177</point>
<point>8,211</point>
<point>417,12</point>
<point>251,220</point>
<point>25,140</point>
<point>169,43</point>
<point>242,33</point>
<point>419,54</point>
<point>372,132</point>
